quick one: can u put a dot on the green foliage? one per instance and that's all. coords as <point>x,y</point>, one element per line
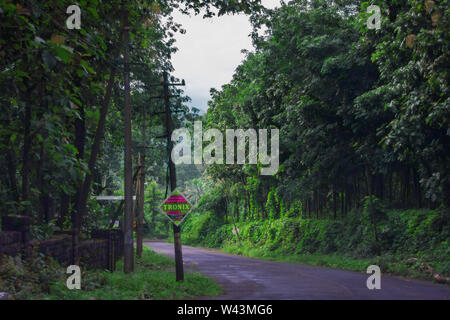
<point>422,234</point>
<point>273,205</point>
<point>44,231</point>
<point>157,225</point>
<point>29,278</point>
<point>203,228</point>
<point>53,96</point>
<point>363,116</point>
<point>154,278</point>
<point>361,112</point>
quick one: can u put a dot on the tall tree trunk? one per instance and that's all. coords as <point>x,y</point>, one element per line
<point>80,132</point>
<point>12,171</point>
<point>81,200</point>
<point>41,184</point>
<point>334,204</point>
<point>389,185</point>
<point>417,189</point>
<point>236,215</point>
<point>137,206</point>
<point>247,202</point>
<point>309,208</point>
<point>369,179</point>
<point>141,164</point>
<point>226,211</point>
<point>26,153</point>
<point>76,217</point>
<point>405,183</point>
<point>63,209</point>
<point>316,200</point>
<point>128,164</point>
<point>140,224</point>
<point>348,200</point>
<point>49,205</point>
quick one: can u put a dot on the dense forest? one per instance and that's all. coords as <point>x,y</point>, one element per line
<point>361,112</point>
<point>364,134</point>
<point>62,126</point>
<point>363,116</point>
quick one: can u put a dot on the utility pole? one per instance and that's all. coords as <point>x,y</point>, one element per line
<point>137,197</point>
<point>128,174</point>
<point>173,182</point>
<point>141,196</point>
<point>140,202</point>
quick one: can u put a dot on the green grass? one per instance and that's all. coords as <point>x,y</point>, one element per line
<point>315,259</point>
<point>153,279</point>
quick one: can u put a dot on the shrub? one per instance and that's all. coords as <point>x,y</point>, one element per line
<point>411,233</point>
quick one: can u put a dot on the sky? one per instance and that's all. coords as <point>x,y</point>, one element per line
<point>210,51</point>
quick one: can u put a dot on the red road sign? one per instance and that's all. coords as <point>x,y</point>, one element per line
<point>176,207</point>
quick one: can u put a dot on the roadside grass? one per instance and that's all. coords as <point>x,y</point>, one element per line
<point>153,279</point>
<point>315,259</point>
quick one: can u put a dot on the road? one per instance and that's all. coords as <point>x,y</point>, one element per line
<point>246,278</point>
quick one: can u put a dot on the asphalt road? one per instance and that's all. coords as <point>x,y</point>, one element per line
<point>246,278</point>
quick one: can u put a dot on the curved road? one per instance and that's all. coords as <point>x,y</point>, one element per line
<point>252,279</point>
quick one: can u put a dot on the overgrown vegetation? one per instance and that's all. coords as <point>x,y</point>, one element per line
<point>153,279</point>
<point>62,98</point>
<point>409,242</point>
<point>363,118</point>
<point>364,135</point>
<point>362,113</point>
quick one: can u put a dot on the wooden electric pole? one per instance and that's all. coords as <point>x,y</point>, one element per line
<point>128,174</point>
<point>140,181</point>
<point>141,195</point>
<point>173,181</point>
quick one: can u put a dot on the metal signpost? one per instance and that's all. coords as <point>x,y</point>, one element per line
<point>176,208</point>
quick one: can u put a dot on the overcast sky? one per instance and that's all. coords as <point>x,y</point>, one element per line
<point>210,51</point>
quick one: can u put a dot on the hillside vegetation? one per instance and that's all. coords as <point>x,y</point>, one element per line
<point>411,242</point>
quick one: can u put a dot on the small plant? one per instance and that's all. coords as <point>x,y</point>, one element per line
<point>44,231</point>
<point>29,278</point>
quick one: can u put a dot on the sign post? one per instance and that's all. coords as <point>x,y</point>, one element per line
<point>176,208</point>
<point>173,179</point>
<point>178,253</point>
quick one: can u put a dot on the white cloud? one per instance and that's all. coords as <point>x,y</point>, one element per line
<point>210,51</point>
